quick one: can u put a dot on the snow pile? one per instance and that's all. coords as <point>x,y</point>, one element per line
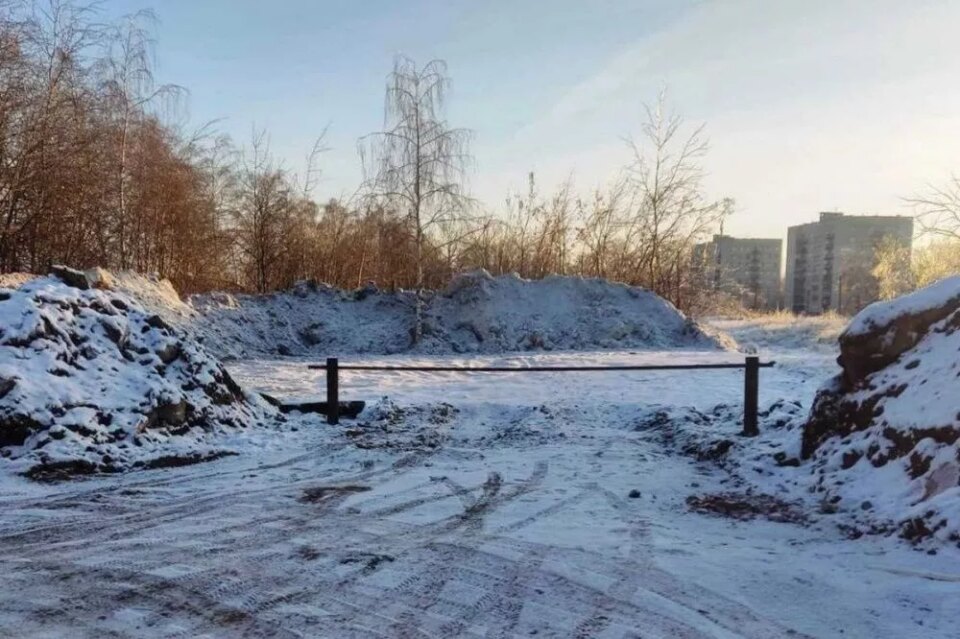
<point>481,313</point>
<point>883,435</point>
<point>155,294</point>
<point>90,381</point>
<point>477,313</point>
<point>938,297</point>
<point>310,319</point>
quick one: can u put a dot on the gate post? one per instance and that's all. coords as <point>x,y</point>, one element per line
<point>333,390</point>
<point>751,392</point>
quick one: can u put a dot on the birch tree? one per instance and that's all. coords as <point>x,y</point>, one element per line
<point>130,87</point>
<point>417,164</point>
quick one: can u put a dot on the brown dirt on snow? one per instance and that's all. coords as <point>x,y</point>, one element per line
<point>746,506</point>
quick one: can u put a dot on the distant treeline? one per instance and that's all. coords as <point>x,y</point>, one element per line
<point>95,170</point>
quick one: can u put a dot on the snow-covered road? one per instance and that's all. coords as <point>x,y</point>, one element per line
<point>508,514</point>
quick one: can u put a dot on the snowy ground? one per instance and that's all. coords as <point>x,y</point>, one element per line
<point>506,514</point>
<point>784,332</point>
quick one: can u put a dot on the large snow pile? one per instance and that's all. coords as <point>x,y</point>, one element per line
<point>309,319</point>
<point>885,431</point>
<point>476,313</point>
<point>91,381</point>
<point>481,313</point>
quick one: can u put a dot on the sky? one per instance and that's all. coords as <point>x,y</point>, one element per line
<point>809,105</point>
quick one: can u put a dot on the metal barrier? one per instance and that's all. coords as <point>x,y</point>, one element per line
<point>751,379</point>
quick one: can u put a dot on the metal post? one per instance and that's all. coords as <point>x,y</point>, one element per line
<point>751,392</point>
<point>333,390</point>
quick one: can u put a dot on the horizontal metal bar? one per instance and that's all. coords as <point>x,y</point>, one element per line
<point>533,369</point>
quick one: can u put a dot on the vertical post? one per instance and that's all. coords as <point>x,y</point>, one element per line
<point>751,392</point>
<point>333,390</point>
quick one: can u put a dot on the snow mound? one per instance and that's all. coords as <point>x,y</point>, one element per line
<point>155,294</point>
<point>481,313</point>
<point>477,313</point>
<point>938,296</point>
<point>91,381</point>
<point>886,431</point>
<point>310,319</point>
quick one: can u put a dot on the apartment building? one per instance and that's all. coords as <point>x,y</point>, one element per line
<point>746,268</point>
<point>829,261</point>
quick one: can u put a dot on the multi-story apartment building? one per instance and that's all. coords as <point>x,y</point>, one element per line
<point>747,268</point>
<point>829,262</point>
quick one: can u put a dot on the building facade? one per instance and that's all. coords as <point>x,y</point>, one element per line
<point>745,268</point>
<point>829,262</point>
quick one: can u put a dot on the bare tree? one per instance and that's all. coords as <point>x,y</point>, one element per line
<point>129,83</point>
<point>938,211</point>
<point>41,84</point>
<point>892,268</point>
<point>600,230</point>
<point>93,172</point>
<point>523,213</point>
<point>306,182</point>
<point>417,164</point>
<point>670,212</point>
<point>263,206</point>
<point>935,261</point>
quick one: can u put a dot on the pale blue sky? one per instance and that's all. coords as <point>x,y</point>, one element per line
<point>810,105</point>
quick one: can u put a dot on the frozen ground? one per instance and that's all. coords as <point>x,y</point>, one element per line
<point>784,332</point>
<point>479,506</point>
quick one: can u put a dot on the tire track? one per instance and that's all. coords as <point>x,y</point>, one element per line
<point>259,563</point>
